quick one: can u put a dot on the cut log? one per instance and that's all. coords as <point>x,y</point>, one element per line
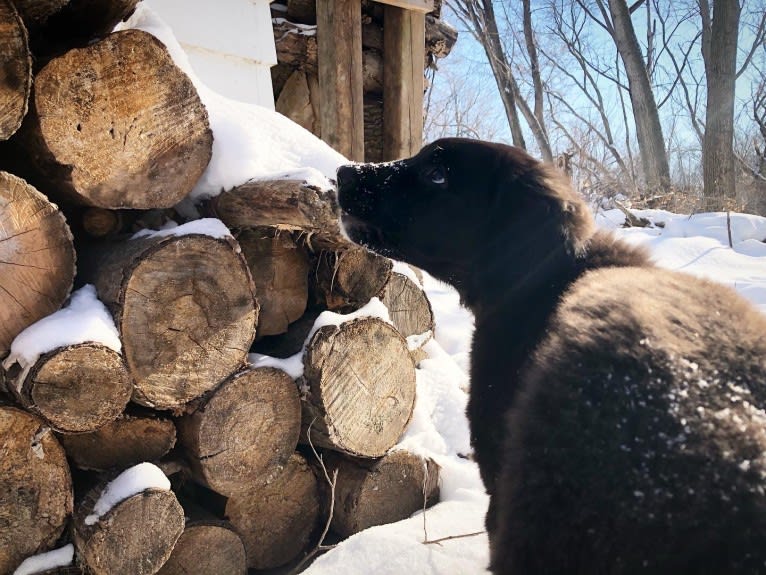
<point>133,135</point>
<point>296,45</point>
<point>295,101</point>
<point>302,11</point>
<point>280,269</point>
<point>361,387</point>
<point>135,536</point>
<point>36,258</point>
<point>280,520</point>
<point>36,12</point>
<point>122,443</point>
<point>244,432</point>
<point>36,487</point>
<point>185,309</point>
<point>291,342</point>
<point>347,280</point>
<point>211,547</point>
<point>386,490</point>
<point>101,223</point>
<point>286,204</point>
<point>75,388</point>
<point>15,70</point>
<point>408,306</point>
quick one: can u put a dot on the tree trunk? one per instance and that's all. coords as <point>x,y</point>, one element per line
<point>286,204</point>
<point>185,310</point>
<point>36,487</point>
<point>408,305</point>
<point>122,443</point>
<point>280,269</point>
<point>133,135</point>
<point>15,70</point>
<point>279,520</point>
<point>244,432</point>
<point>136,536</point>
<point>347,280</point>
<point>386,490</point>
<point>76,388</point>
<point>36,258</point>
<point>719,51</point>
<point>360,383</point>
<point>651,143</point>
<point>207,547</point>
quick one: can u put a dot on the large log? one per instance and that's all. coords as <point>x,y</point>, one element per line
<point>244,432</point>
<point>185,309</point>
<point>360,383</point>
<point>280,268</point>
<point>290,205</point>
<point>76,388</point>
<point>36,258</point>
<point>377,492</point>
<point>279,520</point>
<point>347,280</point>
<point>135,535</point>
<point>207,547</point>
<point>407,305</point>
<point>36,487</point>
<point>15,70</point>
<point>122,443</point>
<point>116,125</point>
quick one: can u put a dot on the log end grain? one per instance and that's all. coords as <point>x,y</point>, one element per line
<point>207,547</point>
<point>407,305</point>
<point>348,279</point>
<point>15,70</point>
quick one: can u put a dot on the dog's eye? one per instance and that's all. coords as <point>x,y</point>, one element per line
<point>438,175</point>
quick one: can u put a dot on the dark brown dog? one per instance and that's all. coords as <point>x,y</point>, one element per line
<point>616,409</point>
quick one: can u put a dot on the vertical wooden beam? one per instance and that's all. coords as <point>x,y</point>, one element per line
<point>339,51</point>
<point>403,62</point>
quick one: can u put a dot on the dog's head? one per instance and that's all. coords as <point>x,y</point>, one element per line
<point>460,203</point>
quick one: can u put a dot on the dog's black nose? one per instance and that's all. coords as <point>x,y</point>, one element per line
<point>348,178</point>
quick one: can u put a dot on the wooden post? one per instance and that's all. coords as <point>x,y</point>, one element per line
<point>339,39</point>
<point>403,60</point>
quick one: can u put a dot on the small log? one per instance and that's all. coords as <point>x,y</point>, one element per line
<point>133,135</point>
<point>36,258</point>
<point>122,443</point>
<point>244,432</point>
<point>286,204</point>
<point>361,387</point>
<point>36,487</point>
<point>381,491</point>
<point>296,45</point>
<point>291,342</point>
<point>280,269</point>
<point>75,388</point>
<point>135,536</point>
<point>295,101</point>
<point>101,223</point>
<point>408,305</point>
<point>185,309</point>
<point>279,520</point>
<point>211,547</point>
<point>15,70</point>
<point>347,280</point>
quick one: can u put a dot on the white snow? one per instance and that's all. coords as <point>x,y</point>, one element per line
<point>61,557</point>
<point>407,271</point>
<point>130,482</point>
<point>206,226</point>
<point>83,319</point>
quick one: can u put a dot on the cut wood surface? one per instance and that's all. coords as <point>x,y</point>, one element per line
<point>75,388</point>
<point>407,305</point>
<point>280,520</point>
<point>37,259</point>
<point>377,492</point>
<point>294,101</point>
<point>135,536</point>
<point>207,547</point>
<point>15,70</point>
<point>185,310</point>
<point>244,432</point>
<point>36,487</point>
<point>280,269</point>
<point>361,387</point>
<point>287,204</point>
<point>121,443</point>
<point>133,135</point>
<point>347,280</point>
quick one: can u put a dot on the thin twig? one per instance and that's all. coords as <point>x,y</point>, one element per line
<point>463,536</point>
<point>425,498</point>
<point>728,228</point>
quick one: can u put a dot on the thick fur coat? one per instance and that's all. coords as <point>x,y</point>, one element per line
<point>616,408</point>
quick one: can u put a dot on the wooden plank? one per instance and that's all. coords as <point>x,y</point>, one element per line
<point>339,40</point>
<point>416,5</point>
<point>403,62</point>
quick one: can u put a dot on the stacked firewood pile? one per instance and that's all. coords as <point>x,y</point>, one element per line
<point>295,78</point>
<point>102,136</point>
